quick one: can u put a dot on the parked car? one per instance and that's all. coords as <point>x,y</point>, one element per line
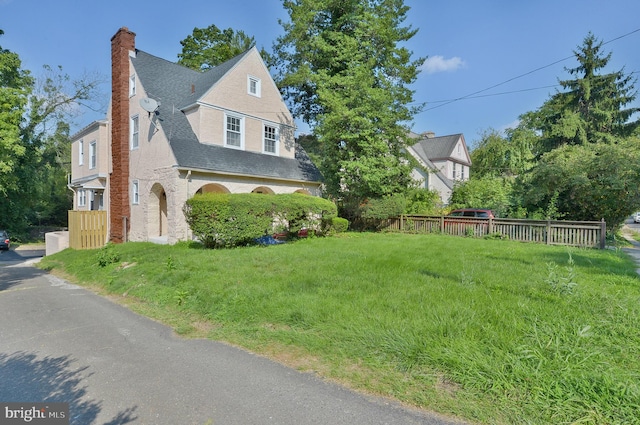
<point>472,212</point>
<point>636,217</point>
<point>5,243</point>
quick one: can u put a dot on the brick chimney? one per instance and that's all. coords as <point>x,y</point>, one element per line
<point>121,44</point>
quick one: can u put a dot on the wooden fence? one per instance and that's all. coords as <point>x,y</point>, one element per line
<point>550,232</point>
<point>87,229</point>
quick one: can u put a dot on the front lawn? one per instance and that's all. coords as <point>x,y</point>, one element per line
<point>487,330</point>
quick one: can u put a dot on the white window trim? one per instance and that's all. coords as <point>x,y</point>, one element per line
<point>93,155</point>
<point>250,79</point>
<point>241,147</point>
<point>134,118</point>
<point>82,198</point>
<point>135,192</point>
<point>81,152</point>
<point>264,139</point>
<point>132,85</point>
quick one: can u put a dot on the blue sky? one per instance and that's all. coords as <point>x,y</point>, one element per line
<point>516,47</point>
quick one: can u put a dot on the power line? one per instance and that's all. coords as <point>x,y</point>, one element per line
<point>476,93</point>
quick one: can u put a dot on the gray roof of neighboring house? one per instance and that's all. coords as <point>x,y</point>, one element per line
<point>175,87</point>
<point>438,148</point>
<point>431,149</point>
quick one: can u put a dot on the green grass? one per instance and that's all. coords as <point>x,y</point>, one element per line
<point>490,331</point>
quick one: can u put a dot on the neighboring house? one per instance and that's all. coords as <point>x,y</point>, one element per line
<point>443,161</point>
<point>172,132</point>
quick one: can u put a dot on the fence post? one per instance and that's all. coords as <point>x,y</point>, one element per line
<point>548,232</point>
<point>603,233</point>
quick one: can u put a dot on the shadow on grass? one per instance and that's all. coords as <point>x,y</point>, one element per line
<point>27,378</point>
<point>610,262</point>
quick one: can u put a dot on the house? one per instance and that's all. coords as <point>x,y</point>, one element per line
<point>172,132</point>
<point>442,161</point>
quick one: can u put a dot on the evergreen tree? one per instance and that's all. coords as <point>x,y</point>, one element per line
<point>342,70</point>
<point>592,108</point>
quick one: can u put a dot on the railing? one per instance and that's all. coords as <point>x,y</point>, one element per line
<point>550,232</point>
<point>87,229</point>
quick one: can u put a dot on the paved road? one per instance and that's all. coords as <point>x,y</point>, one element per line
<point>59,342</point>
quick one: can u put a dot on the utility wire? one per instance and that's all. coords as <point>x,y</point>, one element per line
<point>476,93</point>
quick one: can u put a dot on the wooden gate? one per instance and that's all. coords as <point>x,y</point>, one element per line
<point>87,229</point>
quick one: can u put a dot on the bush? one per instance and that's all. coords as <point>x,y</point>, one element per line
<point>227,220</point>
<point>335,225</point>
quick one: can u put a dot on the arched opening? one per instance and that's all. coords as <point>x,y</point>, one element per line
<point>158,218</point>
<point>212,188</point>
<point>263,189</point>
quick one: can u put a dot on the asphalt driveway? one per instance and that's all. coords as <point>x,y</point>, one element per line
<point>62,343</point>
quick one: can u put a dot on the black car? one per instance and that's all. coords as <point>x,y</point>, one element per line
<point>4,240</point>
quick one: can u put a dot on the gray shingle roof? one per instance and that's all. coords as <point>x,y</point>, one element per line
<point>176,87</point>
<point>438,148</point>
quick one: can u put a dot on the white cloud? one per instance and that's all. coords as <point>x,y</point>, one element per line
<point>438,63</point>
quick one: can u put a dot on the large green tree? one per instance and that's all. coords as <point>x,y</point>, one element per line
<point>585,138</point>
<point>208,47</point>
<point>343,71</point>
<point>34,141</point>
<point>592,107</point>
<point>503,155</point>
<point>586,182</point>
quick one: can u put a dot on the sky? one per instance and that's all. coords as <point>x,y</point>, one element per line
<point>487,61</point>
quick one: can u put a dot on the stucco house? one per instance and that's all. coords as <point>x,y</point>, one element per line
<point>172,132</point>
<point>442,161</point>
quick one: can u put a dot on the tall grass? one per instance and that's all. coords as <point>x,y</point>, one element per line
<point>490,331</point>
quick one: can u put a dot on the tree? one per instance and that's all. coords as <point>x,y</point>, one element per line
<point>208,47</point>
<point>34,139</point>
<point>483,192</point>
<point>498,156</point>
<point>593,107</point>
<point>16,85</point>
<point>587,182</point>
<point>342,71</point>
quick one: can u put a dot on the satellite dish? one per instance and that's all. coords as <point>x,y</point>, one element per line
<point>148,104</point>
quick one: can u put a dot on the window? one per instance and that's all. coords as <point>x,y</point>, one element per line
<point>454,171</point>
<point>135,129</point>
<point>82,198</point>
<point>462,173</point>
<point>132,85</point>
<point>92,155</point>
<point>80,152</point>
<point>234,132</point>
<point>135,192</point>
<point>270,139</point>
<point>253,86</point>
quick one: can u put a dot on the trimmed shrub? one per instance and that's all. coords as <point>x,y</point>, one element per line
<point>335,225</point>
<point>227,220</point>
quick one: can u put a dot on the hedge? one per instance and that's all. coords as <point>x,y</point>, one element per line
<point>222,219</point>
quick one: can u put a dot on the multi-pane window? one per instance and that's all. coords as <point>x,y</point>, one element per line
<point>234,131</point>
<point>454,171</point>
<point>253,86</point>
<point>92,155</point>
<point>80,152</point>
<point>82,198</point>
<point>135,130</point>
<point>270,139</point>
<point>135,192</point>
